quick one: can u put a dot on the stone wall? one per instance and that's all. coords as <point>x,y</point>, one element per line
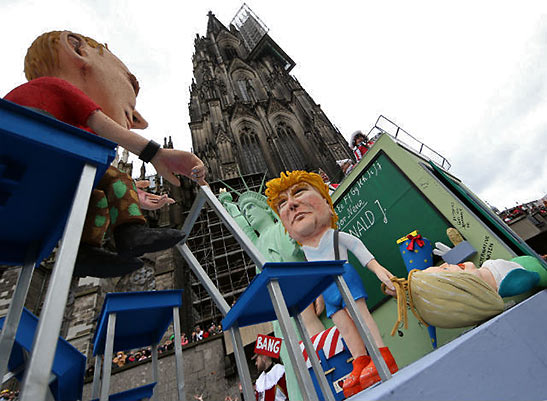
<point>36,292</point>
<point>82,314</point>
<point>204,373</point>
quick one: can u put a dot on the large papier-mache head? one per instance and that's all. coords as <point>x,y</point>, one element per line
<point>42,57</point>
<point>286,180</point>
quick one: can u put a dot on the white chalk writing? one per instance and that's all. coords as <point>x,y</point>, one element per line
<point>358,188</point>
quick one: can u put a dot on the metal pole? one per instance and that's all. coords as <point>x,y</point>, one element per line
<point>247,245</point>
<point>155,376</point>
<point>223,306</point>
<point>96,378</point>
<point>108,351</point>
<point>363,330</point>
<point>193,215</point>
<point>45,341</point>
<point>178,354</point>
<point>241,362</point>
<point>205,280</point>
<point>316,365</point>
<point>11,323</point>
<point>304,380</point>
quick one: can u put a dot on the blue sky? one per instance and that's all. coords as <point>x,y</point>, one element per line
<point>468,78</point>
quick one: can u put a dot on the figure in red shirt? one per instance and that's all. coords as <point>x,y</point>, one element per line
<point>80,82</point>
<point>359,145</point>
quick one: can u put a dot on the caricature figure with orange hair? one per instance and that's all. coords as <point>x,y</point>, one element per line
<point>302,201</point>
<point>76,80</point>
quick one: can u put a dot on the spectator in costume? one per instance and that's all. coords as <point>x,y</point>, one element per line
<point>271,384</point>
<point>326,180</point>
<point>359,145</point>
<point>346,165</point>
<point>80,82</point>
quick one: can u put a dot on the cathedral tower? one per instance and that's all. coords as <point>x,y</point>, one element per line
<point>248,112</point>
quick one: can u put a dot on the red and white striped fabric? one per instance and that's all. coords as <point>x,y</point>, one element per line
<point>330,341</point>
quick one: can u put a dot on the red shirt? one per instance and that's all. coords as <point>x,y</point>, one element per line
<point>359,151</point>
<point>58,97</point>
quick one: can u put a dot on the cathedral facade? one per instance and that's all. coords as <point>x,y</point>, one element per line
<point>248,114</point>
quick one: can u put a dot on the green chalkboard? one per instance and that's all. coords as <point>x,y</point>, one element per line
<point>380,206</point>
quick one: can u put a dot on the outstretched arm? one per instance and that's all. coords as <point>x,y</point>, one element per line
<point>383,274</point>
<point>366,258</point>
<point>167,162</point>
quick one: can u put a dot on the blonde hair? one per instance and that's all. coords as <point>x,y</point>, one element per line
<point>446,299</point>
<point>42,57</point>
<point>286,180</point>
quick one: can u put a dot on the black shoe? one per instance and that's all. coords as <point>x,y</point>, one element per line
<point>137,239</point>
<point>98,262</point>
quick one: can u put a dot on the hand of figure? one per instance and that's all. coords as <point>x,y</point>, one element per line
<point>384,275</point>
<point>319,304</point>
<point>168,162</point>
<point>150,201</point>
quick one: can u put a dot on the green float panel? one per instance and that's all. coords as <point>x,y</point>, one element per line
<point>393,191</point>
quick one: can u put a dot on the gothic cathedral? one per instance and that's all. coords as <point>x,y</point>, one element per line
<point>248,114</point>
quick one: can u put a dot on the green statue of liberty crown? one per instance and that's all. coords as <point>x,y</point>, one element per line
<point>254,197</point>
<point>248,196</point>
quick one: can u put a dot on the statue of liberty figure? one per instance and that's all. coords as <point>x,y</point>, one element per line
<point>255,217</point>
<point>261,225</point>
<point>226,200</point>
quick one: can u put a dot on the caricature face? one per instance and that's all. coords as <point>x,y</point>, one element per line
<point>256,216</point>
<point>108,82</point>
<point>305,214</point>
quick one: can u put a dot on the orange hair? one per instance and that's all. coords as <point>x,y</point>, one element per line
<point>286,180</point>
<point>42,58</point>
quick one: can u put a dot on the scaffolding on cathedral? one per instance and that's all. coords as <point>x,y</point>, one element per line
<point>221,256</point>
<point>251,27</point>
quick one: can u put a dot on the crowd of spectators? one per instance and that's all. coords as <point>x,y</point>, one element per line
<point>123,358</point>
<point>530,209</point>
<point>198,334</point>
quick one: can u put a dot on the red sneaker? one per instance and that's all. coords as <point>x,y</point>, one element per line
<point>369,375</point>
<point>351,384</point>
